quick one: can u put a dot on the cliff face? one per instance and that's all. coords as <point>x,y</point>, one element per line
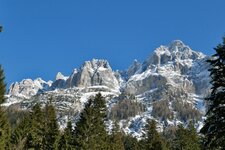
<point>93,73</point>
<point>176,65</point>
<point>27,87</point>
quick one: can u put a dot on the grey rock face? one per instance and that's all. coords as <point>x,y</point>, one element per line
<point>137,87</point>
<point>27,87</point>
<point>133,68</point>
<point>93,73</point>
<point>200,76</point>
<point>176,65</point>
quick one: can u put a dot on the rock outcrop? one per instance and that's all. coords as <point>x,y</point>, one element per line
<point>93,73</point>
<point>28,87</point>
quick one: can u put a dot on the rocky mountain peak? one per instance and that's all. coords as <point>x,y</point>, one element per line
<point>97,64</point>
<point>181,51</point>
<point>28,87</point>
<point>60,76</point>
<point>175,52</point>
<point>177,44</point>
<point>93,73</point>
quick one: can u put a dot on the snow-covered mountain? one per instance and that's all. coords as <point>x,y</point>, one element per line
<point>28,87</point>
<point>171,83</point>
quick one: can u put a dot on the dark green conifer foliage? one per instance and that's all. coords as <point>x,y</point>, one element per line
<point>66,141</point>
<point>84,128</point>
<point>51,128</point>
<point>40,130</point>
<point>20,134</point>
<point>90,129</point>
<point>4,131</point>
<point>4,124</point>
<point>154,141</point>
<point>99,119</point>
<point>186,139</point>
<point>214,128</point>
<point>35,138</point>
<point>194,137</point>
<point>69,135</point>
<point>2,86</point>
<point>61,143</point>
<point>116,138</point>
<point>179,142</point>
<point>131,143</point>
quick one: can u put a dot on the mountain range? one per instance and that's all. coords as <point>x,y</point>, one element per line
<point>169,86</point>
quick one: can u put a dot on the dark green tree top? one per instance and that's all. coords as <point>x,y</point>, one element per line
<point>214,127</point>
<point>154,140</point>
<point>2,86</point>
<point>90,129</point>
<point>186,138</point>
<point>4,131</point>
<point>116,138</point>
<point>37,127</point>
<point>4,124</point>
<point>51,128</point>
<point>66,141</point>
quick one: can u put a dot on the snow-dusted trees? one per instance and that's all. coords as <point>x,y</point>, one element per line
<point>126,106</point>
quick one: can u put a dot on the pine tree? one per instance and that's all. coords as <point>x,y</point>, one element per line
<point>186,139</point>
<point>90,129</point>
<point>131,143</point>
<point>194,137</point>
<point>116,138</point>
<point>4,131</point>
<point>4,124</point>
<point>2,85</point>
<point>51,129</point>
<point>154,140</point>
<point>44,130</point>
<point>214,127</point>
<point>69,136</point>
<point>100,117</point>
<point>62,143</point>
<point>84,128</point>
<point>35,138</point>
<point>179,142</point>
<point>20,134</point>
<point>66,141</point>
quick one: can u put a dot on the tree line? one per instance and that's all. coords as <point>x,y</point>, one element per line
<point>38,130</point>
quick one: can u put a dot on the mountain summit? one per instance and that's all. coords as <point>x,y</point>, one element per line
<point>93,73</point>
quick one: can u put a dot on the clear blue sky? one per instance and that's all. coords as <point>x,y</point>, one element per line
<point>42,37</point>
